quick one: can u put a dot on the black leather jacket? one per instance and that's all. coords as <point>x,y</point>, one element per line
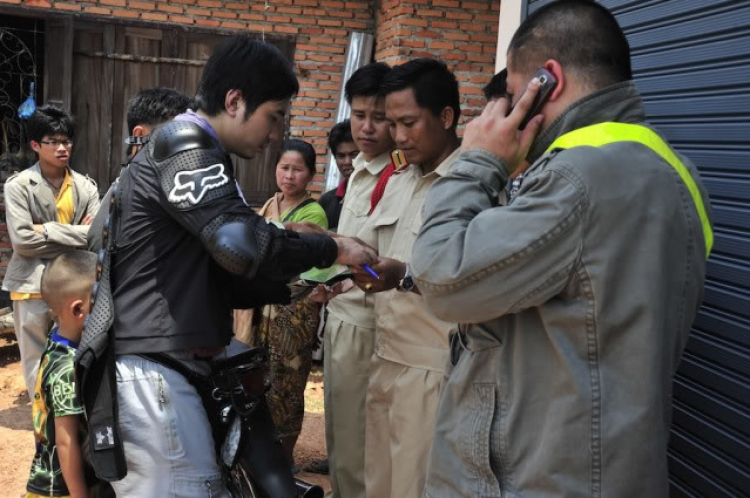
<point>189,250</point>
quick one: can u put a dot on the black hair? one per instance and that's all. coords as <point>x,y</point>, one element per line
<point>497,88</point>
<point>155,106</point>
<point>434,85</point>
<point>70,274</point>
<point>50,120</point>
<point>580,34</point>
<point>255,68</point>
<point>366,81</point>
<point>305,150</point>
<point>340,133</point>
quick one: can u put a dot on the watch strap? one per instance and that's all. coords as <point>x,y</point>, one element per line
<point>406,284</point>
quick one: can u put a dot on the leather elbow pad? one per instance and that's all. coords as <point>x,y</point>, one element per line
<point>234,246</point>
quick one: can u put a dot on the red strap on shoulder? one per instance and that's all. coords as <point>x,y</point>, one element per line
<point>377,192</point>
<point>397,165</point>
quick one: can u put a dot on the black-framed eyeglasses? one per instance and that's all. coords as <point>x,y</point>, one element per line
<point>57,143</point>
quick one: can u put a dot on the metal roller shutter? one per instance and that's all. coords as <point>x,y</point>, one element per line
<point>691,61</point>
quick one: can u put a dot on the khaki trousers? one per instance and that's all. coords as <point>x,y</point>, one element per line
<point>346,362</point>
<point>401,408</point>
<point>32,320</point>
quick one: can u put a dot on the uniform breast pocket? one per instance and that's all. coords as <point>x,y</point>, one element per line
<point>385,226</point>
<point>358,206</point>
<point>384,222</point>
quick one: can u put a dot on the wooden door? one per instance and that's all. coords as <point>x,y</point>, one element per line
<point>91,102</point>
<point>133,73</point>
<point>112,63</point>
<point>58,67</point>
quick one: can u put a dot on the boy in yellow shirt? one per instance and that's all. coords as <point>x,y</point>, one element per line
<point>48,209</point>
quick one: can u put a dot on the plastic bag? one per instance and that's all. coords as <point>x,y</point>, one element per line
<point>29,106</point>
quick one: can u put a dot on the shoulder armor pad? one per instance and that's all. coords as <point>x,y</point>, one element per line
<point>179,136</point>
<point>194,172</point>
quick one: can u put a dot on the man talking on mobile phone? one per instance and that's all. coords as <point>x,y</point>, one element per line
<point>576,299</point>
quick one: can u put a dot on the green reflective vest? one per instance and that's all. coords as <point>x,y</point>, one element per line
<point>606,133</point>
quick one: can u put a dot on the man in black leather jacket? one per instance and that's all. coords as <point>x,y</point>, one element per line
<point>188,250</point>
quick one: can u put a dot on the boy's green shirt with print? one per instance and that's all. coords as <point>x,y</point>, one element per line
<point>54,396</point>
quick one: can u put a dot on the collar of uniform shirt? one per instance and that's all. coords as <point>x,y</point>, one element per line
<point>445,166</point>
<point>374,167</point>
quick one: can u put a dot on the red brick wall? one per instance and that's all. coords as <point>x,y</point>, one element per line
<point>320,29</point>
<point>461,33</point>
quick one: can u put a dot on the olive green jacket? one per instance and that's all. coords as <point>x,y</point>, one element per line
<point>575,299</point>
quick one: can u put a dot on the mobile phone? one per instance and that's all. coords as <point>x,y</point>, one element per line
<point>302,288</point>
<point>548,82</point>
<point>331,281</point>
<point>326,276</point>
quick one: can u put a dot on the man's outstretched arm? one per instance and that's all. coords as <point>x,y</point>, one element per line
<point>200,193</point>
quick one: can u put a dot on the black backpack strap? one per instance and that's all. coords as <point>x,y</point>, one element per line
<point>95,362</point>
<point>297,208</point>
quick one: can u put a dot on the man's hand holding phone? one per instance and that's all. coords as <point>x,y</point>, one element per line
<point>323,294</point>
<point>497,132</point>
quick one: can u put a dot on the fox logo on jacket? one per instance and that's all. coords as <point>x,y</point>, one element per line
<point>192,186</point>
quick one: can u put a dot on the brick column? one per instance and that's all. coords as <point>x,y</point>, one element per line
<point>463,34</point>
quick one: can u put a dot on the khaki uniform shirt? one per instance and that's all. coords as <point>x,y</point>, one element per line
<point>352,307</point>
<point>407,332</point>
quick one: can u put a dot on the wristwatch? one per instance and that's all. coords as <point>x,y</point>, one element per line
<point>406,284</point>
<point>45,233</point>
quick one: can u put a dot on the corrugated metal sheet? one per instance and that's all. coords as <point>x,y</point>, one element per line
<point>691,61</point>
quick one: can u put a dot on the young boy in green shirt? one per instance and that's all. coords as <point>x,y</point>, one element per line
<point>58,466</point>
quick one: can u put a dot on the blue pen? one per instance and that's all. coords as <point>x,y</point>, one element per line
<point>371,271</point>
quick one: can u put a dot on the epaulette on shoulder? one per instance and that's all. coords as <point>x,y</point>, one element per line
<point>81,176</point>
<point>18,178</point>
<point>13,177</point>
<point>399,160</point>
<point>93,182</point>
<point>179,136</point>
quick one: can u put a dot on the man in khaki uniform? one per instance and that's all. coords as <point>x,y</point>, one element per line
<point>350,326</point>
<point>411,351</point>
